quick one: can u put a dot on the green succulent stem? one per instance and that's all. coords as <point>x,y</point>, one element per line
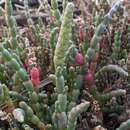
<point>65,36</point>
<point>64,4</point>
<point>4,95</point>
<point>59,117</point>
<point>18,96</point>
<point>16,68</point>
<point>55,12</point>
<point>125,125</point>
<point>74,113</point>
<point>33,29</point>
<point>94,45</point>
<point>12,26</point>
<point>105,97</point>
<point>30,116</point>
<point>111,68</point>
<point>116,109</point>
<point>116,49</point>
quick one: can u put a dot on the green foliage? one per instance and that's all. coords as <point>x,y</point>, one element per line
<point>4,95</point>
<point>64,36</point>
<point>125,125</point>
<point>58,108</point>
<point>112,68</point>
<point>74,113</point>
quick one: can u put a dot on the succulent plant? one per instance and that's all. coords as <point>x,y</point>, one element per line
<point>73,63</point>
<point>64,36</point>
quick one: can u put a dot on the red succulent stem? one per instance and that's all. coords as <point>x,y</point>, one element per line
<point>125,2</point>
<point>79,58</point>
<point>89,78</point>
<point>81,33</point>
<point>35,76</point>
<point>93,63</point>
<point>102,44</point>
